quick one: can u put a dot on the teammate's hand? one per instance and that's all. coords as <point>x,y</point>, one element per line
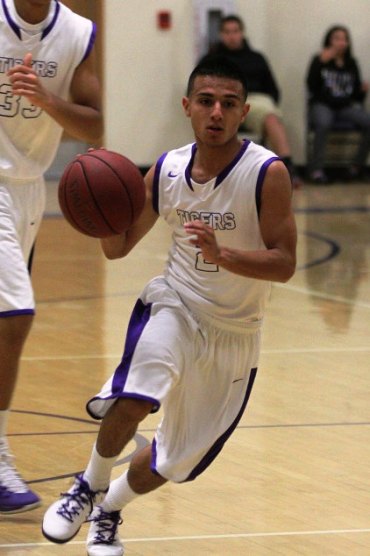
<point>25,82</point>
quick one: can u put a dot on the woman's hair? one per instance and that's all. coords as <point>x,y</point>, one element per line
<point>329,34</point>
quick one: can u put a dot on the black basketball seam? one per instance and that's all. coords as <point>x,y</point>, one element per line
<point>94,199</point>
<point>119,178</point>
<point>71,218</point>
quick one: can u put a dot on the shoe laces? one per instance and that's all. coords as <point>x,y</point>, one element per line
<point>10,480</point>
<point>106,526</point>
<point>77,499</point>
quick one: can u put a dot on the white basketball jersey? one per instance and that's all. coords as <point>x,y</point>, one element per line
<point>29,137</point>
<point>228,203</point>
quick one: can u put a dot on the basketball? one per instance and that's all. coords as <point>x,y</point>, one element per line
<point>101,193</point>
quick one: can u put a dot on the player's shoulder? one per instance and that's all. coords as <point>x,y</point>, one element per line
<point>178,154</point>
<point>68,15</point>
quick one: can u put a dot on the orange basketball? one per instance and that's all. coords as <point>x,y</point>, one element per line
<point>101,193</point>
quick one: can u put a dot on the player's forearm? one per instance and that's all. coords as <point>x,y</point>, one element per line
<point>273,264</point>
<point>82,122</point>
<point>114,247</point>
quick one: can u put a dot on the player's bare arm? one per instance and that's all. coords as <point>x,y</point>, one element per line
<point>118,246</point>
<point>81,116</point>
<point>277,224</point>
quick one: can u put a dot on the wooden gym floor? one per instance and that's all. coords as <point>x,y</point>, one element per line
<point>295,476</point>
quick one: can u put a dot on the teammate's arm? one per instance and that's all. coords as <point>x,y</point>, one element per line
<point>118,246</point>
<point>81,116</point>
<point>277,224</point>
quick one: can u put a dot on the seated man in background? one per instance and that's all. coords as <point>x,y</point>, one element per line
<point>264,118</point>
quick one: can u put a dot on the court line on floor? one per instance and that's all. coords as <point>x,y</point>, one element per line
<point>314,293</point>
<point>211,537</point>
<point>359,349</point>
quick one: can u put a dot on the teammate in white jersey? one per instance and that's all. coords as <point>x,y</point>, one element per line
<point>47,84</point>
<point>193,341</point>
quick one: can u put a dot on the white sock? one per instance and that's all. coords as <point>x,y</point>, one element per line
<point>98,471</point>
<point>119,494</point>
<point>4,415</point>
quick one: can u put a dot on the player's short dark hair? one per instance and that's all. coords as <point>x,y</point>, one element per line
<point>231,19</point>
<point>218,66</point>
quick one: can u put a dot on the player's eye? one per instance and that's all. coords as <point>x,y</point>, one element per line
<point>205,101</point>
<point>229,104</point>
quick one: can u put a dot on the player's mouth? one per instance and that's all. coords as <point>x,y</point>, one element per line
<point>214,129</point>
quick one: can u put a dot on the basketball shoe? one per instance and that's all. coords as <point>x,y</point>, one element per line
<point>63,520</point>
<point>102,539</point>
<point>15,496</point>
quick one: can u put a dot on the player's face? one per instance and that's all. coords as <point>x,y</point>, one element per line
<point>232,35</point>
<point>32,11</point>
<point>216,107</point>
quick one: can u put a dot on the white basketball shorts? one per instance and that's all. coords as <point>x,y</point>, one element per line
<point>22,205</point>
<point>202,377</point>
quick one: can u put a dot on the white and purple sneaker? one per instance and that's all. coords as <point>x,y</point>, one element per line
<point>103,539</point>
<point>15,496</point>
<point>63,520</point>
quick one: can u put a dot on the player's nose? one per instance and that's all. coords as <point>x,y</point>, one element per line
<point>216,110</point>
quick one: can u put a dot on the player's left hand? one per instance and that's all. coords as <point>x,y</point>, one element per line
<point>25,82</point>
<point>204,238</point>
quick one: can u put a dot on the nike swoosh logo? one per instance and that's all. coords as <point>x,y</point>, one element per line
<point>171,174</point>
<point>237,380</point>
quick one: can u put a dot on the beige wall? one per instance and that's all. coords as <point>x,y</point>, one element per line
<point>146,69</point>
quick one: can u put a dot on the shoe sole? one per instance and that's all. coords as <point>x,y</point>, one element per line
<point>21,509</point>
<point>58,541</point>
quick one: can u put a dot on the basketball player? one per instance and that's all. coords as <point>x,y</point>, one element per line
<point>47,84</point>
<point>193,340</point>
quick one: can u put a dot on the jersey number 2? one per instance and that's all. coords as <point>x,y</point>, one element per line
<point>203,265</point>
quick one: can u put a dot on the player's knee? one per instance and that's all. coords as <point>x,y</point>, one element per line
<point>131,409</point>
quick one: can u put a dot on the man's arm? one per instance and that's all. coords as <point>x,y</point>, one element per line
<point>118,246</point>
<point>80,116</point>
<point>278,229</point>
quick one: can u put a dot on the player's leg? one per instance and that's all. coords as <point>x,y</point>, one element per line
<point>18,210</point>
<point>141,381</point>
<point>64,518</point>
<point>184,447</point>
<point>105,519</point>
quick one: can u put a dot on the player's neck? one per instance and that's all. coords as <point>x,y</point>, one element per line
<point>31,11</point>
<point>210,161</point>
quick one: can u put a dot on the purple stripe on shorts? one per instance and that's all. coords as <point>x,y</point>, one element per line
<point>17,313</point>
<point>139,318</point>
<point>219,444</point>
<point>157,172</point>
<point>261,177</point>
<point>153,464</point>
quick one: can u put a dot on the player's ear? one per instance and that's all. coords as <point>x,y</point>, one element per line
<point>186,106</point>
<point>246,108</point>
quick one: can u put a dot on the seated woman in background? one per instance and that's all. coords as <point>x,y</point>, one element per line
<point>336,93</point>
